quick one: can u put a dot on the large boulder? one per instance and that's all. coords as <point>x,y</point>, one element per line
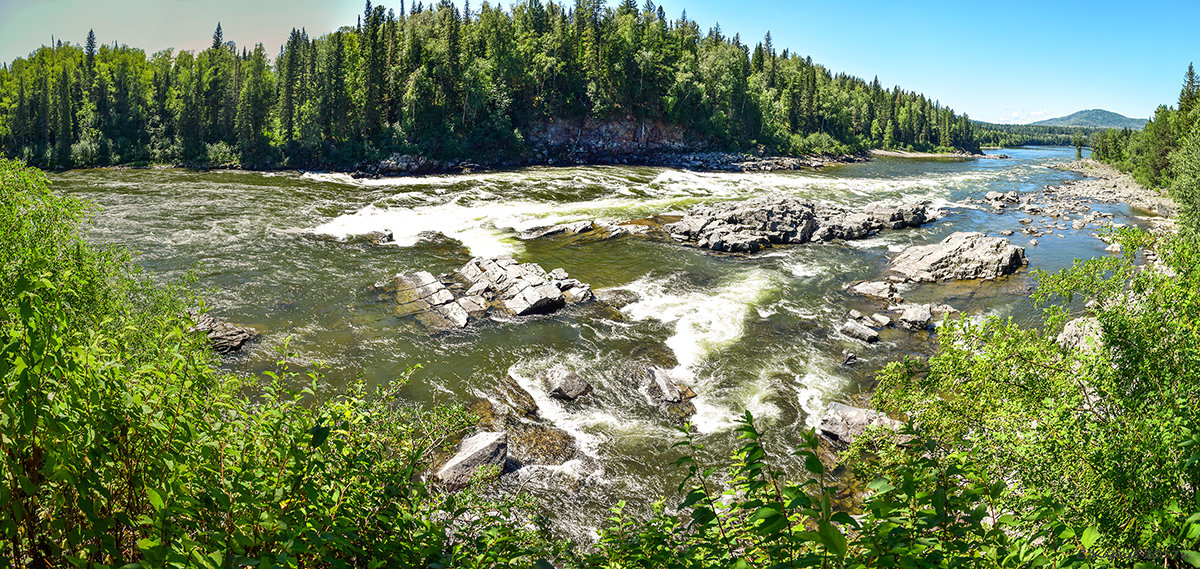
<point>671,398</point>
<point>519,289</point>
<point>564,384</point>
<point>752,225</point>
<point>841,423</point>
<point>962,255</point>
<point>916,317</point>
<point>222,336</point>
<point>523,289</point>
<point>486,449</point>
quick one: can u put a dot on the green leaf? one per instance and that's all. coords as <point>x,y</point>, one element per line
<point>832,539</point>
<point>319,434</point>
<point>155,499</point>
<point>1089,537</point>
<point>1191,557</point>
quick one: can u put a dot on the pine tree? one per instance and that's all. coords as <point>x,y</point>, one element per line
<point>1190,94</point>
<point>218,38</point>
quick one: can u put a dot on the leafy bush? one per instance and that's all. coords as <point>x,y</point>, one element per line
<point>119,443</point>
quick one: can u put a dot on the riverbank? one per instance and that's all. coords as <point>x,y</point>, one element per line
<point>956,154</point>
<point>1109,185</point>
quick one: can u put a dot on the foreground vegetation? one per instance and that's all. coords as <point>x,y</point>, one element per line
<point>446,83</point>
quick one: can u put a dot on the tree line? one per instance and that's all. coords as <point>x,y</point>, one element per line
<point>1011,135</point>
<point>1166,154</point>
<point>446,83</point>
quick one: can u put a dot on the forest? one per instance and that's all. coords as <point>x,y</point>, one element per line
<point>1011,135</point>
<point>447,83</point>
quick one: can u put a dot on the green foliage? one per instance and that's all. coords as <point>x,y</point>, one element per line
<point>449,85</point>
<point>1105,430</point>
<point>120,445</point>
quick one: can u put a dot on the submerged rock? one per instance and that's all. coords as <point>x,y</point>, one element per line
<point>427,299</point>
<point>486,449</point>
<point>531,440</point>
<point>962,255</point>
<point>841,423</point>
<point>752,225</point>
<point>222,336</point>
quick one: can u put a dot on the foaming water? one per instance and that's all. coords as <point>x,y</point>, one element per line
<point>758,333</point>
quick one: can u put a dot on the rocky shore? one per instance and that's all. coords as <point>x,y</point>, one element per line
<point>1106,184</point>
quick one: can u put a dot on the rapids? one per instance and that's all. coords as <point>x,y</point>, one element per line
<point>279,252</point>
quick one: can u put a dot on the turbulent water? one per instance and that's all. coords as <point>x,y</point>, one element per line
<point>277,251</point>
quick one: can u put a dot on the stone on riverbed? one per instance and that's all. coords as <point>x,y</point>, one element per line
<point>752,225</point>
<point>878,290</point>
<point>222,336</point>
<point>858,331</point>
<point>486,449</point>
<point>962,255</point>
<point>841,424</point>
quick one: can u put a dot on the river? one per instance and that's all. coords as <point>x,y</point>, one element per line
<point>276,251</point>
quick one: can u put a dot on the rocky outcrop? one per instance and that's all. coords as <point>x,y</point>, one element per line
<point>962,255</point>
<point>841,423</point>
<point>671,398</point>
<point>564,384</point>
<point>752,225</point>
<point>222,336</point>
<point>486,449</point>
<point>483,286</point>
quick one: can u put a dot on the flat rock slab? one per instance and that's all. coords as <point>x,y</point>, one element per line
<point>752,225</point>
<point>841,423</point>
<point>858,331</point>
<point>879,290</point>
<point>475,452</point>
<point>962,255</point>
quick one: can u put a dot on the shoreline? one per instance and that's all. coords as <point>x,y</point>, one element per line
<point>1104,182</point>
<point>407,165</point>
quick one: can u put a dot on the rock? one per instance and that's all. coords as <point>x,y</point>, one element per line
<point>222,336</point>
<point>881,320</point>
<point>876,289</point>
<point>752,225</point>
<point>617,297</point>
<point>858,331</point>
<point>916,317</point>
<point>530,440</point>
<point>513,396</point>
<point>426,298</point>
<point>486,449</point>
<point>1007,232</point>
<point>856,315</point>
<point>841,424</point>
<point>1114,248</point>
<point>575,228</point>
<point>380,237</point>
<point>671,398</point>
<point>1025,220</point>
<point>564,384</point>
<point>962,255</point>
<point>993,196</point>
<point>849,358</point>
<point>1082,333</point>
<point>1033,242</point>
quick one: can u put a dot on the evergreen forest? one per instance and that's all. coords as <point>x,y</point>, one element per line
<point>447,83</point>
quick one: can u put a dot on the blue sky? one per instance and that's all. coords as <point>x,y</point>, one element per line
<point>1010,61</point>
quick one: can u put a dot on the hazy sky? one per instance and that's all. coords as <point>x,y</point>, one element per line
<point>1009,61</point>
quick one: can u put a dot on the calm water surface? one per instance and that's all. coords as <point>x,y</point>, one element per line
<point>277,251</point>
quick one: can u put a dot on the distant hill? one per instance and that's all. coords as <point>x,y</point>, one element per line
<point>1095,118</point>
